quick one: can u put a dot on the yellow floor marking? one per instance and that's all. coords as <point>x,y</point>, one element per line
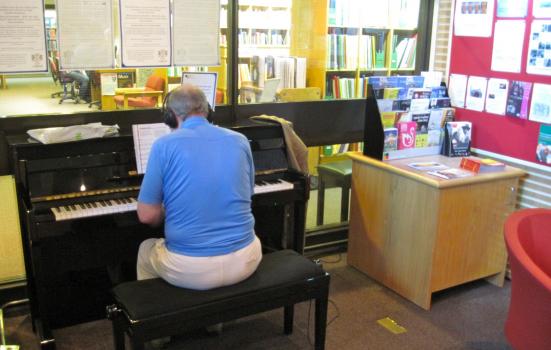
<point>391,325</point>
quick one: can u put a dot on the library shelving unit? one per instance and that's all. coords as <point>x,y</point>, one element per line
<point>51,33</point>
<point>264,27</point>
<point>346,41</point>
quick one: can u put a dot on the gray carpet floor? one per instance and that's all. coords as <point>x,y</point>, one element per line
<point>470,317</point>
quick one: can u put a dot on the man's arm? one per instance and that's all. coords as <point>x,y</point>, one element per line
<point>151,214</point>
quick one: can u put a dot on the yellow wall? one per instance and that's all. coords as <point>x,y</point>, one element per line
<point>11,252</point>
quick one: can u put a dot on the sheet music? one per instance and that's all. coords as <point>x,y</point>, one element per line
<point>144,136</point>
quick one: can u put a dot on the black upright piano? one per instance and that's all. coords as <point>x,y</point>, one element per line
<point>79,226</point>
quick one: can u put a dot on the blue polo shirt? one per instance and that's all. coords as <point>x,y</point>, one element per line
<point>204,177</point>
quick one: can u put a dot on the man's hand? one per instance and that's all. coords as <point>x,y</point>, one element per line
<point>151,214</point>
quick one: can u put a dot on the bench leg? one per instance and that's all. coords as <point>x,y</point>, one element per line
<point>321,321</point>
<point>345,200</point>
<point>118,332</point>
<point>321,200</point>
<point>288,314</point>
<point>137,343</point>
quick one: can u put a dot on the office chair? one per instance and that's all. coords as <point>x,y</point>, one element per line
<point>528,241</point>
<point>149,96</point>
<point>70,89</point>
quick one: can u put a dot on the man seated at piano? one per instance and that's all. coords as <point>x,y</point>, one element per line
<point>199,182</point>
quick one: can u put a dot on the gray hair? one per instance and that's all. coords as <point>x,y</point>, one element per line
<point>188,100</point>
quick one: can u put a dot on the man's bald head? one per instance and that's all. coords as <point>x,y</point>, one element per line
<point>188,100</point>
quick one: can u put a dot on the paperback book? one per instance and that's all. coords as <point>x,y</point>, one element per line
<point>390,139</point>
<point>406,134</point>
<point>457,139</point>
<point>481,165</point>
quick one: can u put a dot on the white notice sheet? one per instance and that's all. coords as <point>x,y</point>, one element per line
<point>512,8</point>
<point>496,96</point>
<point>196,32</point>
<point>144,135</point>
<point>541,9</point>
<point>22,36</point>
<point>206,81</point>
<point>457,88</point>
<point>540,110</point>
<point>508,43</point>
<point>145,33</point>
<point>474,18</point>
<point>539,49</point>
<point>85,30</point>
<point>476,93</point>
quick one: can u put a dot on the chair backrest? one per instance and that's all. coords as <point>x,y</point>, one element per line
<point>528,240</point>
<point>155,83</point>
<point>53,69</point>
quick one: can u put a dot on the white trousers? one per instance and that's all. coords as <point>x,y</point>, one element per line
<point>155,260</point>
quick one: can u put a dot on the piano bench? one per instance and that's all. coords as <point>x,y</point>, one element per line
<point>150,309</point>
<point>334,174</point>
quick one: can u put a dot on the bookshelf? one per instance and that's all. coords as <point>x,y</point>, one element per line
<point>51,32</point>
<point>346,41</point>
<point>264,27</point>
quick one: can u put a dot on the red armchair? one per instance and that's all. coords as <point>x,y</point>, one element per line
<point>528,239</point>
<point>149,96</point>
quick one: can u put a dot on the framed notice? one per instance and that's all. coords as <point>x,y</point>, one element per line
<point>206,81</point>
<point>23,37</point>
<point>196,32</point>
<point>85,31</point>
<point>145,33</point>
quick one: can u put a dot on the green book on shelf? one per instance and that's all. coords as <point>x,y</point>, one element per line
<point>380,59</point>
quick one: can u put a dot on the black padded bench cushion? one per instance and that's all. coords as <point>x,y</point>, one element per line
<point>156,297</point>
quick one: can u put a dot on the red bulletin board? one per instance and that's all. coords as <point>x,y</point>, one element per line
<point>513,137</point>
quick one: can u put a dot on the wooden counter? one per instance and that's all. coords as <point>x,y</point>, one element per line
<point>418,234</point>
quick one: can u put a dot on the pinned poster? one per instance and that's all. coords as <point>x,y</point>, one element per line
<point>457,89</point>
<point>543,150</point>
<point>145,33</point>
<point>85,29</point>
<point>474,18</point>
<point>540,109</point>
<point>496,96</point>
<point>508,43</point>
<point>512,8</point>
<point>23,44</point>
<point>539,50</point>
<point>196,32</point>
<point>476,93</point>
<point>541,9</point>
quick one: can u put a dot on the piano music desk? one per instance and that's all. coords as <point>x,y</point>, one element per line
<point>418,234</point>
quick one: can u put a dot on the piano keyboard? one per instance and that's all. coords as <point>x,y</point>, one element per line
<point>113,206</point>
<point>83,210</point>
<point>272,186</point>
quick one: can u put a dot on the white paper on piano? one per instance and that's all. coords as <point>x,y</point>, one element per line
<point>206,81</point>
<point>144,136</point>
